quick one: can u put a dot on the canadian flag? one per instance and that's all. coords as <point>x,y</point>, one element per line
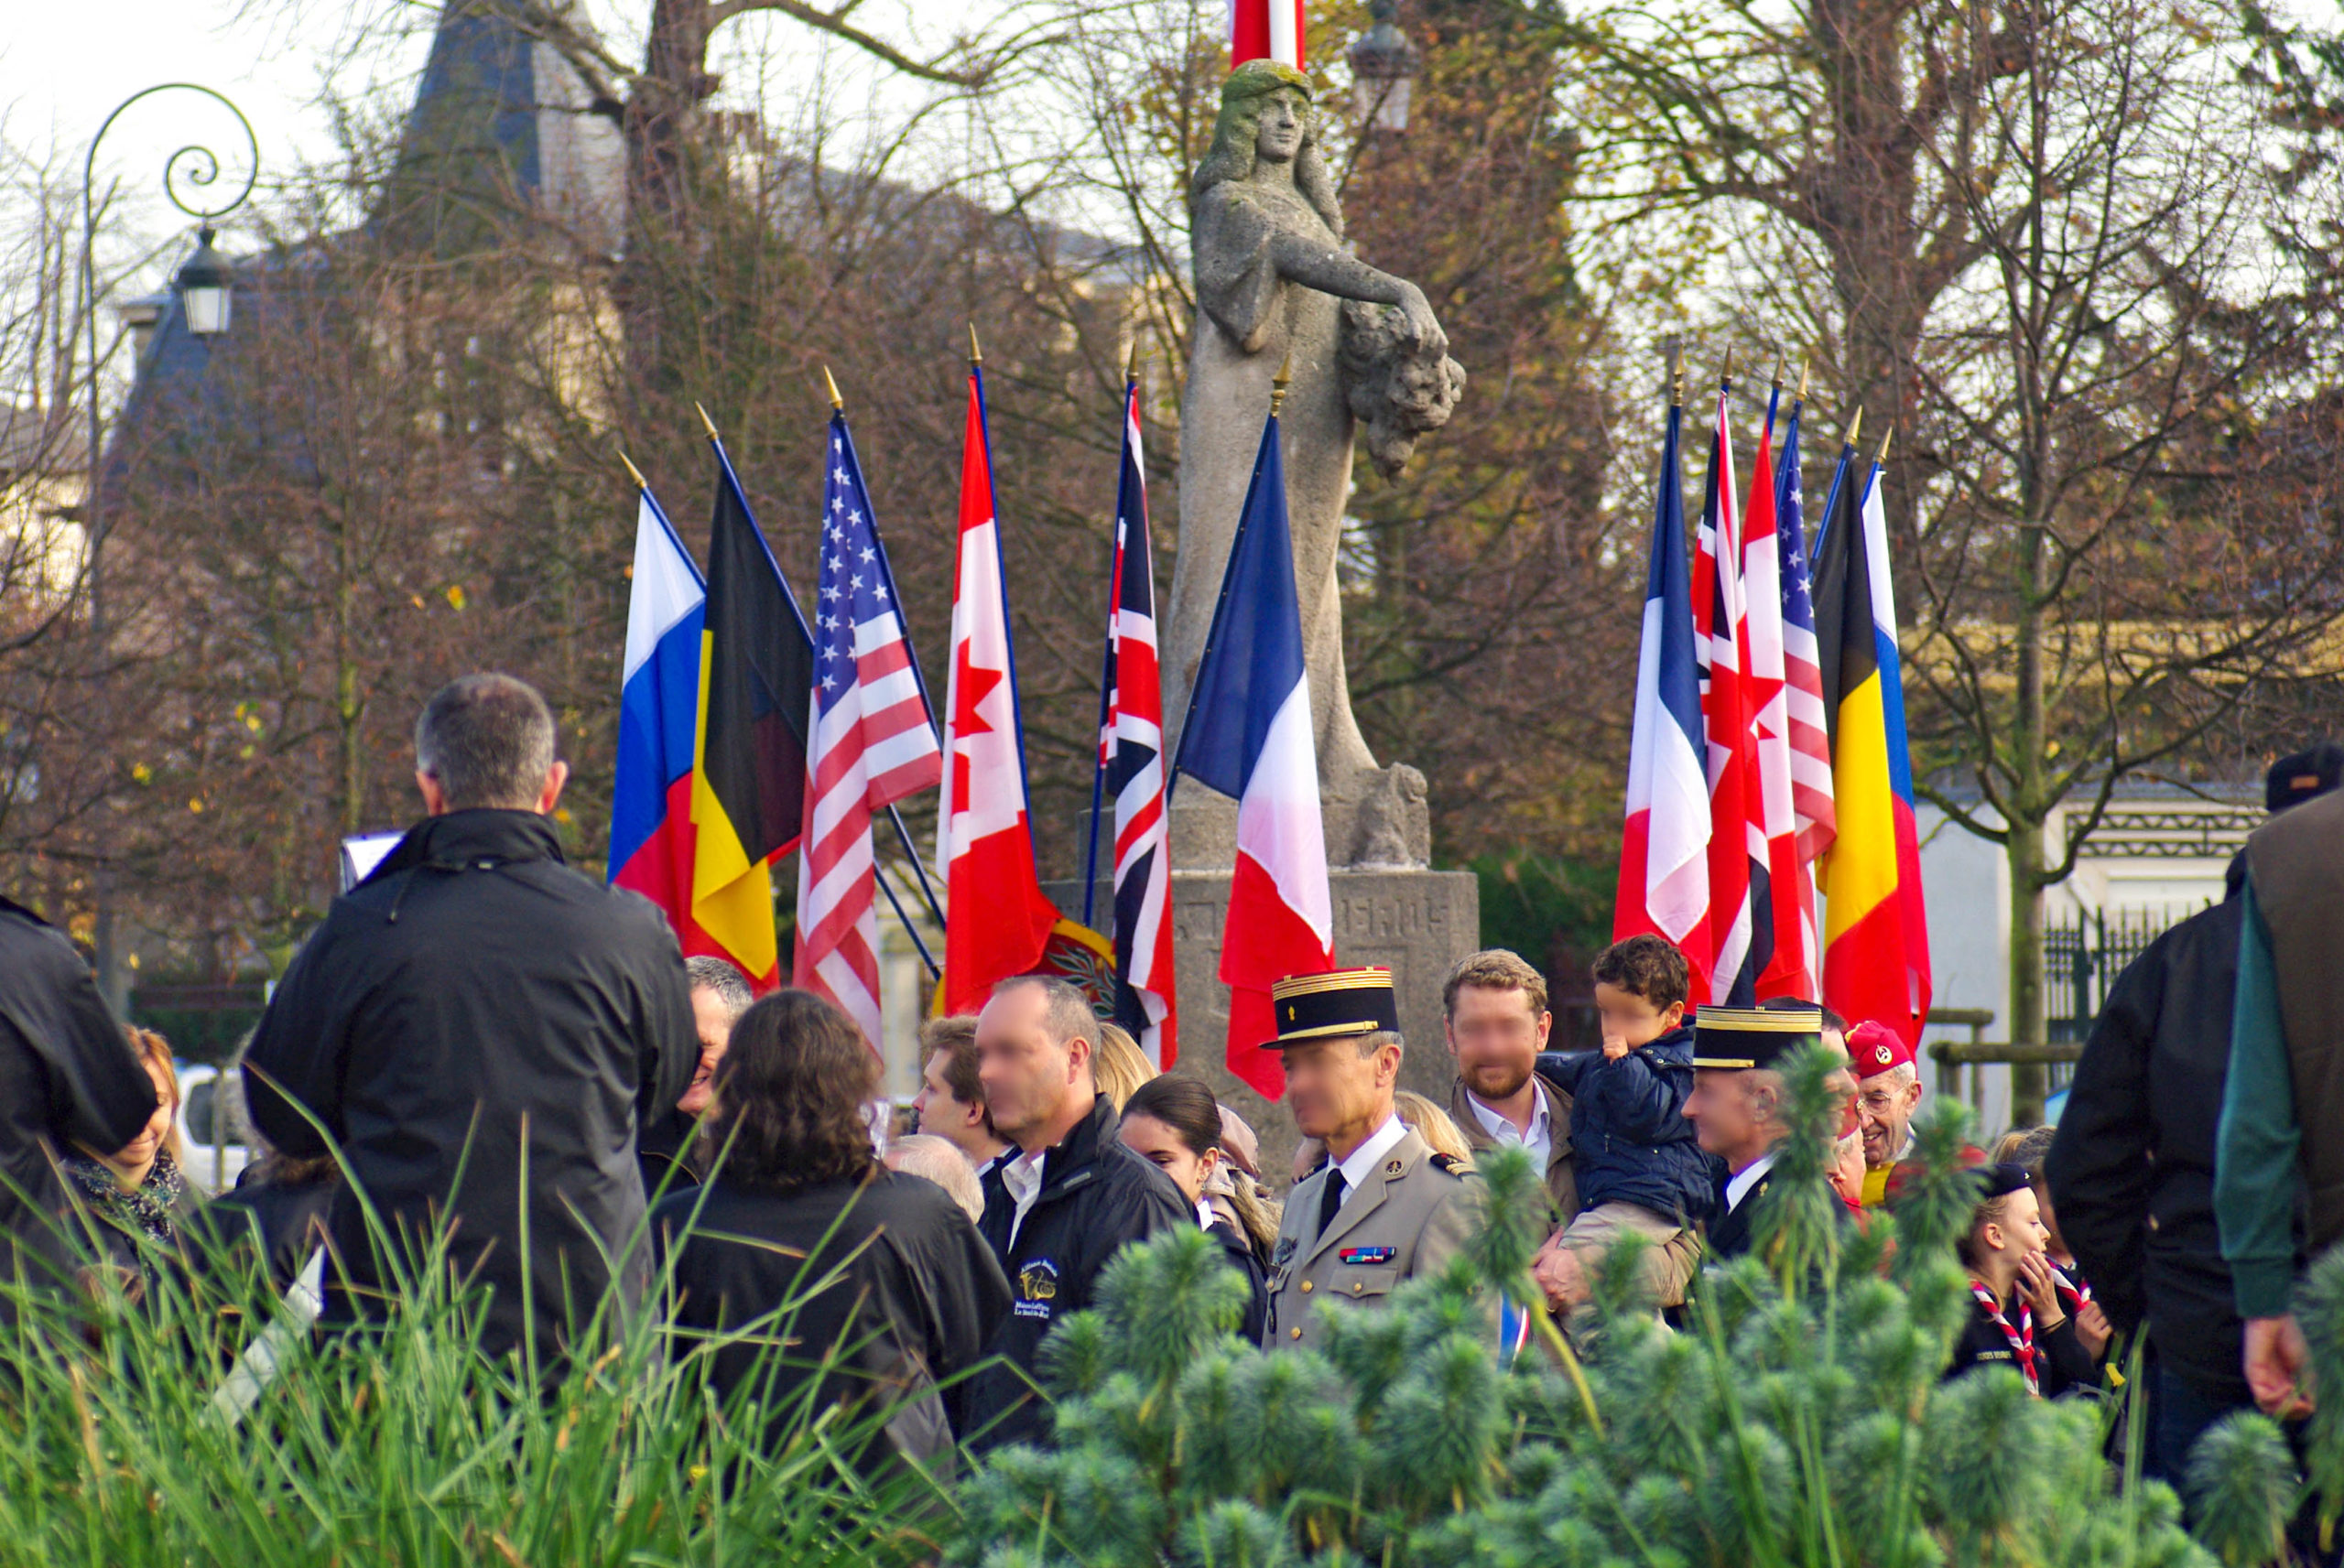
<point>1742,926</point>
<point>997,920</point>
<point>1265,29</point>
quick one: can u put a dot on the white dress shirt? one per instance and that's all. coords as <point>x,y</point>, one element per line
<point>1362,1162</point>
<point>1738,1186</point>
<point>1022,1174</point>
<point>1539,1141</point>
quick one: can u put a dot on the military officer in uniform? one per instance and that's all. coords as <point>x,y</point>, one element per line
<point>1737,1106</point>
<point>1384,1207</point>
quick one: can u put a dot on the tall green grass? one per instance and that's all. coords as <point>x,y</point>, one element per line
<point>408,1445</point>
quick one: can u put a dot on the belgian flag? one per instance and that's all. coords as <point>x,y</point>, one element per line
<point>749,759</point>
<point>1875,935</point>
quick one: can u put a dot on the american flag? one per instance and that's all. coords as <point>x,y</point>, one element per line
<point>1811,802</point>
<point>870,741</point>
<point>1131,755</point>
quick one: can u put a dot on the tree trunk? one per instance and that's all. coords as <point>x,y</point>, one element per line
<point>2024,850</point>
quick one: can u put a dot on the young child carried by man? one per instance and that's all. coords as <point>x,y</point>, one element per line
<point>1640,1170</point>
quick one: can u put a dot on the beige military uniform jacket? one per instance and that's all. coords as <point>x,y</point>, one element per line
<point>1409,1217</point>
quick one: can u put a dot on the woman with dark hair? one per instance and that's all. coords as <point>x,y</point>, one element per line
<point>1175,1121</point>
<point>858,1286</point>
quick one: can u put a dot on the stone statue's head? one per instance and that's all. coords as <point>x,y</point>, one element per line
<point>1235,152</point>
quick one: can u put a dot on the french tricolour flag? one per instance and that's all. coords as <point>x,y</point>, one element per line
<point>1248,735</point>
<point>1663,861</point>
<point>651,820</point>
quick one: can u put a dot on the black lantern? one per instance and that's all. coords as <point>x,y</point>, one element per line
<point>205,288</point>
<point>1383,64</point>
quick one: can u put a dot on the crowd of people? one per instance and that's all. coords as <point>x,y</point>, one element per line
<point>482,1048</point>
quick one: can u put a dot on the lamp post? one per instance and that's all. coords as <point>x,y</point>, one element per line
<point>204,289</point>
<point>1383,67</point>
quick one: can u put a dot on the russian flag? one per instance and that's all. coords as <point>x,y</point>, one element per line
<point>651,825</point>
<point>1248,735</point>
<point>1664,861</point>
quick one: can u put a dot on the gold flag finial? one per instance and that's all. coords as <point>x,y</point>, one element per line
<point>1777,380</point>
<point>1802,380</point>
<point>1131,361</point>
<point>1676,350</point>
<point>706,423</point>
<point>1725,375</point>
<point>634,473</point>
<point>828,379</point>
<point>1278,383</point>
<point>1885,436</point>
<point>976,355</point>
<point>1855,428</point>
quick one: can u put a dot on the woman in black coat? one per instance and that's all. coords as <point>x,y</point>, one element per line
<point>860,1287</point>
<point>1175,1121</point>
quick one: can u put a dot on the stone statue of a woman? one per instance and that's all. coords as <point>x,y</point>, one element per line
<point>1275,286</point>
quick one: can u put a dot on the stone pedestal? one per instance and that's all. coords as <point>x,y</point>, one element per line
<point>1412,919</point>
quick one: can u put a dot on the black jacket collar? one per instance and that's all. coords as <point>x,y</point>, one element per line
<point>460,838</point>
<point>1072,1160</point>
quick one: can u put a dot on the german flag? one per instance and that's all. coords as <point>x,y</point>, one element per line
<point>1875,937</point>
<point>756,670</point>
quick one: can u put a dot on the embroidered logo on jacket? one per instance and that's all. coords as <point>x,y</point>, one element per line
<point>1037,1287</point>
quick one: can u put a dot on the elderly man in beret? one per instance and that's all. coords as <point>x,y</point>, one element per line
<point>1888,1093</point>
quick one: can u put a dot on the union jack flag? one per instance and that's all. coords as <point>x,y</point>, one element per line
<point>1131,755</point>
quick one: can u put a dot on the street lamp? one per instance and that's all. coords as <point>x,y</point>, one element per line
<point>204,287</point>
<point>203,281</point>
<point>1383,66</point>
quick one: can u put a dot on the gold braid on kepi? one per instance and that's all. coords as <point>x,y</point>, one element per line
<point>1730,1039</point>
<point>1331,1006</point>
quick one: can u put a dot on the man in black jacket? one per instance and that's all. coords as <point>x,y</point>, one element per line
<point>2132,1168</point>
<point>67,1076</point>
<point>1066,1197</point>
<point>481,1030</point>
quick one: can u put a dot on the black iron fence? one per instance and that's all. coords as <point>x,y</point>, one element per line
<point>2081,961</point>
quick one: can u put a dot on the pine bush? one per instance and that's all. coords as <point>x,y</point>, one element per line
<point>1797,1419</point>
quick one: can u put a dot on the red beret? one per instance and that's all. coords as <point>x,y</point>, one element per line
<point>1875,1048</point>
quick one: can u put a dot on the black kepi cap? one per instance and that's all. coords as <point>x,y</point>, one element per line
<point>2312,771</point>
<point>1728,1039</point>
<point>1331,1006</point>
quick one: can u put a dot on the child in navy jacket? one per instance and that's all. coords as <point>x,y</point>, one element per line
<point>1638,1165</point>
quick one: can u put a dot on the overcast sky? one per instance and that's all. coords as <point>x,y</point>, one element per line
<point>64,64</point>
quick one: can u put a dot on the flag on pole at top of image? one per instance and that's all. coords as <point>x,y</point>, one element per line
<point>1742,932</point>
<point>985,840</point>
<point>1265,29</point>
<point>1248,734</point>
<point>749,779</point>
<point>1795,964</point>
<point>1664,857</point>
<point>1131,756</point>
<point>1802,664</point>
<point>1876,939</point>
<point>651,795</point>
<point>872,741</point>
